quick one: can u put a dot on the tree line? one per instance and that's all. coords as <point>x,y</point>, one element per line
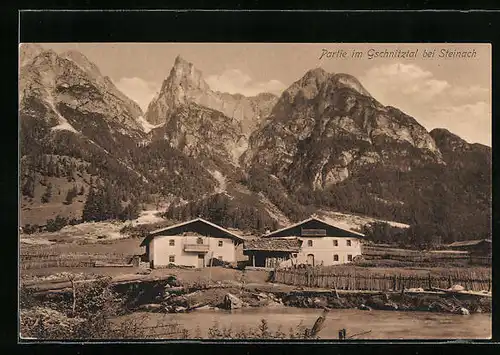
<point>225,211</point>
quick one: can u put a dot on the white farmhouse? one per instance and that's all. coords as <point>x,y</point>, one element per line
<point>321,243</point>
<point>193,243</point>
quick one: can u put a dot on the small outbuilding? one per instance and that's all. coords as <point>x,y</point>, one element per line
<point>269,253</point>
<point>480,250</point>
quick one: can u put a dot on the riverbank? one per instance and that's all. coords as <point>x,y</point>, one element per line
<point>286,322</point>
<point>231,297</point>
<point>178,293</point>
<point>170,294</point>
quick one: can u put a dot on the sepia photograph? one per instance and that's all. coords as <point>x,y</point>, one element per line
<point>265,191</point>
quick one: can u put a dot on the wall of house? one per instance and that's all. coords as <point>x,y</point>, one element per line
<point>162,250</point>
<point>324,250</point>
<point>150,250</point>
<point>269,259</point>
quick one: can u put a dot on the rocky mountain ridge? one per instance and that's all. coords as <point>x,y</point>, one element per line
<point>324,143</point>
<point>185,89</point>
<point>327,126</point>
<point>60,85</point>
<point>185,84</point>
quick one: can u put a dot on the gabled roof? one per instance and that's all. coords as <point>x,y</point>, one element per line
<point>158,232</point>
<point>273,244</point>
<point>273,233</point>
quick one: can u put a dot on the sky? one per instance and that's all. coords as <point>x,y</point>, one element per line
<point>439,92</point>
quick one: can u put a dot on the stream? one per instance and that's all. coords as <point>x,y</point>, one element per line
<point>381,324</point>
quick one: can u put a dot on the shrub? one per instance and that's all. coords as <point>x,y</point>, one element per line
<point>95,305</point>
<point>72,193</point>
<point>73,221</point>
<point>47,323</point>
<point>30,228</point>
<point>47,194</point>
<point>54,225</point>
<point>262,331</point>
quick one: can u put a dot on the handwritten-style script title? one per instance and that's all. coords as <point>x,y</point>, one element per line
<point>441,53</point>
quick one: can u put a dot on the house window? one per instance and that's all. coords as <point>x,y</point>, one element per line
<point>349,257</point>
<point>348,242</point>
<point>171,259</point>
<point>199,241</point>
<point>335,243</point>
<point>221,243</point>
<point>309,243</point>
<point>335,257</point>
<point>171,242</point>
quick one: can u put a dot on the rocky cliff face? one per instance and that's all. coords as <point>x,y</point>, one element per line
<point>68,93</point>
<point>77,127</point>
<point>93,71</point>
<point>326,126</point>
<point>201,132</point>
<point>28,52</point>
<point>184,91</point>
<point>457,153</point>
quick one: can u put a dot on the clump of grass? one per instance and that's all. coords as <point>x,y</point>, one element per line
<point>261,331</point>
<point>87,314</point>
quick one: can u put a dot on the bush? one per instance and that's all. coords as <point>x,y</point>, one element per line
<point>47,194</point>
<point>72,193</point>
<point>54,225</point>
<point>262,331</point>
<point>30,228</point>
<point>74,221</point>
<point>95,305</point>
<point>47,323</point>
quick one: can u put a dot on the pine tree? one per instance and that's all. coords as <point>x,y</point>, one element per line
<point>71,195</point>
<point>53,225</point>
<point>47,194</point>
<point>90,209</point>
<point>51,169</point>
<point>82,191</point>
<point>131,211</point>
<point>28,188</point>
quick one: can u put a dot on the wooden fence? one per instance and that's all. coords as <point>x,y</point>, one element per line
<point>376,253</point>
<point>353,280</point>
<point>46,260</point>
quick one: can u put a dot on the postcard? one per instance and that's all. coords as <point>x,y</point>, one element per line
<point>311,191</point>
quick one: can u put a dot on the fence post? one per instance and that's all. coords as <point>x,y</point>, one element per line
<point>430,282</point>
<point>449,282</point>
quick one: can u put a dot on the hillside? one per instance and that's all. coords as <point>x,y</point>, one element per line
<point>326,146</point>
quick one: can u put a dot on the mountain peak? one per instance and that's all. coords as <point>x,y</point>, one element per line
<point>446,140</point>
<point>28,52</point>
<point>316,72</point>
<point>47,57</point>
<point>181,61</point>
<point>318,81</point>
<point>82,61</point>
<point>185,75</point>
<point>351,82</point>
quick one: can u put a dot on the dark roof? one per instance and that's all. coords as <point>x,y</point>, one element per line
<point>314,220</point>
<point>180,228</point>
<point>273,244</point>
<point>468,243</point>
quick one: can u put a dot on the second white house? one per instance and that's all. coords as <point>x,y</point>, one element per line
<point>312,241</point>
